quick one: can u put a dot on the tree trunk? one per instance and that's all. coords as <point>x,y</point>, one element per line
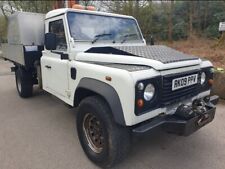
<point>137,9</point>
<point>170,22</point>
<point>206,14</point>
<point>199,21</point>
<point>11,8</point>
<point>191,6</point>
<point>3,12</point>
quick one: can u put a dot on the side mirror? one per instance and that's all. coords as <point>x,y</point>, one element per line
<point>152,42</point>
<point>50,41</point>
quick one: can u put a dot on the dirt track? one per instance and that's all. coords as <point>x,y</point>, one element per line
<point>39,133</point>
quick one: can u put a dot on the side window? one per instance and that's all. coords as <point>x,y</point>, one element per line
<point>57,28</point>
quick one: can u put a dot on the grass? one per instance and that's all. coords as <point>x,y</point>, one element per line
<point>204,48</point>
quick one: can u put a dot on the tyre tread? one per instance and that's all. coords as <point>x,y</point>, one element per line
<point>120,136</point>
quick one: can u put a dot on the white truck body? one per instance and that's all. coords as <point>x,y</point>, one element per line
<point>57,81</point>
<point>25,34</point>
<point>64,88</point>
<point>118,71</point>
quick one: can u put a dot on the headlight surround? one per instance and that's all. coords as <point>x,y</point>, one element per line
<point>203,78</point>
<point>149,92</point>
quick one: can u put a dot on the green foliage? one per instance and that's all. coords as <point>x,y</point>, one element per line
<point>33,6</point>
<point>180,30</point>
<point>39,6</point>
<point>9,7</point>
<point>212,31</point>
<point>153,17</point>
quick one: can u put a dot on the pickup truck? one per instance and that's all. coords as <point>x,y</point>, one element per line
<point>100,63</point>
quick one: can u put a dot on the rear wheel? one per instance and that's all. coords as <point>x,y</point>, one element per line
<point>104,142</point>
<point>24,82</point>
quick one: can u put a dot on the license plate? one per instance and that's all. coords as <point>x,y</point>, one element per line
<point>185,81</point>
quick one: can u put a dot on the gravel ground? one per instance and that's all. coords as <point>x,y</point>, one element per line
<point>39,133</point>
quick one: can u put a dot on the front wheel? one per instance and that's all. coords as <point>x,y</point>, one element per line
<point>24,83</point>
<point>104,142</point>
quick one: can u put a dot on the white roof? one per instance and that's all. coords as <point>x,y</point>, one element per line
<point>64,10</point>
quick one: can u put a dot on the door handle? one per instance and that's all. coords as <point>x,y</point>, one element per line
<point>48,67</point>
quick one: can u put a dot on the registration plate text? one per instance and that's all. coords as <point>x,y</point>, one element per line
<point>185,81</point>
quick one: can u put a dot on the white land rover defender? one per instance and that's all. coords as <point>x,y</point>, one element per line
<point>100,63</point>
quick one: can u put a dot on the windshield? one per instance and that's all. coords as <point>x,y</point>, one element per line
<point>90,27</point>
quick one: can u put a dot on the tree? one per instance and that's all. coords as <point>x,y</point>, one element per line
<point>165,20</point>
<point>33,6</point>
<point>170,22</point>
<point>191,7</point>
<point>6,8</point>
<point>141,10</point>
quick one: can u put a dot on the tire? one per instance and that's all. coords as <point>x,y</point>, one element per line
<point>115,144</point>
<point>24,82</point>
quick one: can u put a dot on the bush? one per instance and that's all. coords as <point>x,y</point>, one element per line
<point>212,31</point>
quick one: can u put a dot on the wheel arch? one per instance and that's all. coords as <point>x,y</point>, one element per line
<point>89,87</point>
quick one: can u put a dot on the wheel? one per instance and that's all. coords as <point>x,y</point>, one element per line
<point>24,82</point>
<point>104,142</point>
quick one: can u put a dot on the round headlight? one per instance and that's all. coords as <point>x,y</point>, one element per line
<point>149,92</point>
<point>203,78</point>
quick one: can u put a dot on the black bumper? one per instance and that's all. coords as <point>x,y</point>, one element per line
<point>178,125</point>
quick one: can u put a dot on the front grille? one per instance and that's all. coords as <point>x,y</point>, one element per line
<point>169,96</point>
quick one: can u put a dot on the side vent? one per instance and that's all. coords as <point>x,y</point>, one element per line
<point>73,73</point>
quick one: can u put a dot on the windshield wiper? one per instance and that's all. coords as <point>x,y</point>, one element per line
<point>100,35</point>
<point>126,36</point>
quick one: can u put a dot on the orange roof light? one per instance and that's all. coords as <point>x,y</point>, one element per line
<point>77,6</point>
<point>91,8</point>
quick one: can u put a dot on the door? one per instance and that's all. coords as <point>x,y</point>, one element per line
<point>55,69</point>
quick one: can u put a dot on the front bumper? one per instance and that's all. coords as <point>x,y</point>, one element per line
<point>179,125</point>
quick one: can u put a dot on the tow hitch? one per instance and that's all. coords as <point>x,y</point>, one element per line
<point>203,120</point>
<point>186,120</point>
<point>199,108</point>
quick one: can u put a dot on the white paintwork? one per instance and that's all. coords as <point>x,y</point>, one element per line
<point>13,53</point>
<point>56,78</point>
<point>57,12</point>
<point>106,58</point>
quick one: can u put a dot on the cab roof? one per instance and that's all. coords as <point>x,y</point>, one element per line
<point>62,11</point>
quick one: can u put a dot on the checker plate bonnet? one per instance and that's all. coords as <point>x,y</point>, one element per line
<point>160,53</point>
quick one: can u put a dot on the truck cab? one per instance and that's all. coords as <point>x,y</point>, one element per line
<point>100,63</point>
<point>75,32</point>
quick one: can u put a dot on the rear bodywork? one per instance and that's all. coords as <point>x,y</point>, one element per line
<point>25,38</point>
<point>22,55</point>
